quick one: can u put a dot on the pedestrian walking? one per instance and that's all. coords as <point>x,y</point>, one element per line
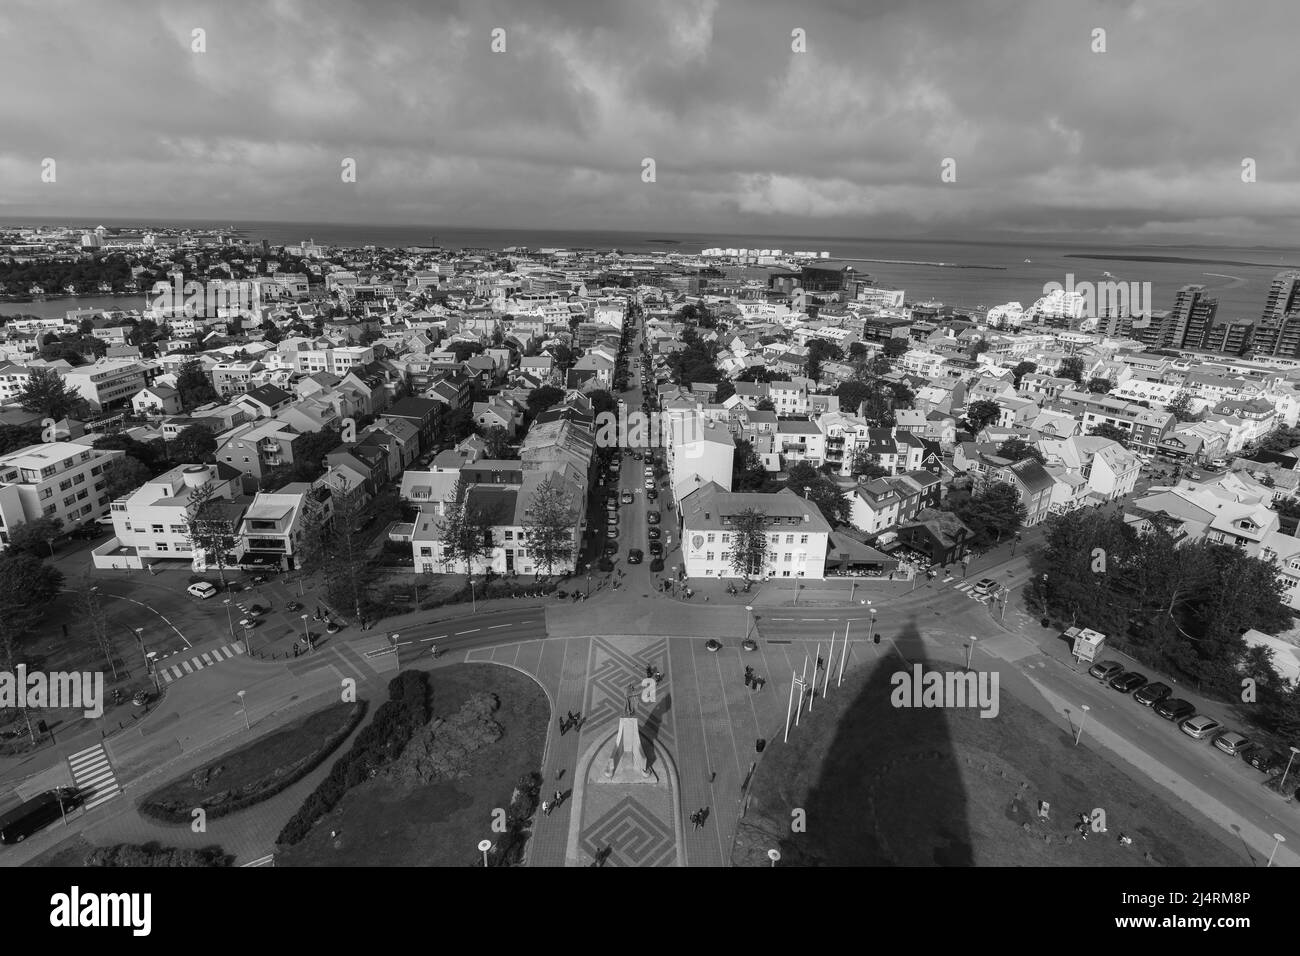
<point>546,808</point>
<point>564,726</point>
<point>748,679</point>
<point>713,775</point>
<point>821,664</point>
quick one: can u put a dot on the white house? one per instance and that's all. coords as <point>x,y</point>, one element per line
<point>797,533</point>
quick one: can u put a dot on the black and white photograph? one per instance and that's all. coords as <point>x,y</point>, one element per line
<point>650,434</point>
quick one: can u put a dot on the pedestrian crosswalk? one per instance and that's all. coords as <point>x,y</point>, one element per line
<point>173,672</point>
<point>967,588</point>
<point>93,777</point>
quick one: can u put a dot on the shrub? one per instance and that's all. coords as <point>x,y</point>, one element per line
<point>405,711</point>
<point>155,854</point>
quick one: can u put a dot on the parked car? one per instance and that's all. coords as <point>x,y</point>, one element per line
<point>656,549</point>
<point>654,534</point>
<point>611,548</point>
<point>652,517</point>
<point>1105,670</point>
<point>635,555</point>
<point>984,587</point>
<point>201,589</point>
<point>256,610</point>
<point>1175,709</point>
<point>248,623</point>
<point>749,644</point>
<point>1265,761</point>
<point>1200,726</point>
<point>657,564</point>
<point>1128,682</point>
<point>1153,694</point>
<point>651,494</point>
<point>626,497</point>
<point>293,607</point>
<point>1231,742</point>
<point>611,531</point>
<point>712,645</point>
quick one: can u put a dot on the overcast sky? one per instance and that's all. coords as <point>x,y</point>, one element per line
<point>1143,141</point>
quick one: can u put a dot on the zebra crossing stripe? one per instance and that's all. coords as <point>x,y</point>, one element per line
<point>93,774</point>
<point>167,677</point>
<point>186,666</point>
<point>206,659</point>
<point>239,648</point>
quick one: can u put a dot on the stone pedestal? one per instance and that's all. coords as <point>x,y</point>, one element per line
<point>627,754</point>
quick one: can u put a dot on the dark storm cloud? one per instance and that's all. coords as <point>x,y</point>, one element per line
<point>1144,140</point>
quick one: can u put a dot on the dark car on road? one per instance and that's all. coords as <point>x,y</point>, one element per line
<point>1127,682</point>
<point>635,555</point>
<point>652,517</point>
<point>656,549</point>
<point>1175,708</point>
<point>654,534</point>
<point>611,547</point>
<point>1233,743</point>
<point>657,564</point>
<point>651,494</point>
<point>1153,694</point>
<point>1105,670</point>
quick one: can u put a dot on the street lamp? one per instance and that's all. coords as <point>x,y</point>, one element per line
<point>306,633</point>
<point>1280,839</point>
<point>588,583</point>
<point>970,651</point>
<point>50,542</point>
<point>1282,786</point>
<point>244,707</point>
<point>1082,719</point>
<point>1015,541</point>
<point>806,490</point>
<point>871,630</point>
<point>749,619</point>
<point>774,855</point>
<point>483,847</point>
<point>230,621</point>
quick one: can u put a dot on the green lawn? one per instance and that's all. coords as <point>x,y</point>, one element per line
<point>256,772</point>
<point>885,786</point>
<point>386,822</point>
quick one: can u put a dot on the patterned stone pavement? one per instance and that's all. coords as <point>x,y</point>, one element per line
<point>701,732</point>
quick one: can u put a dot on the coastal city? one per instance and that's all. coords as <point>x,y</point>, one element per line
<point>721,519</point>
<point>653,438</point>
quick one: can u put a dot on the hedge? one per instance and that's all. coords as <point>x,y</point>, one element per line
<point>380,743</point>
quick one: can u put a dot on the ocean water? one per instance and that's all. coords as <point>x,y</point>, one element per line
<point>993,273</point>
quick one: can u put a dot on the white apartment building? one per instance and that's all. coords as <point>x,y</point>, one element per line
<point>152,522</point>
<point>336,361</point>
<point>697,452</point>
<point>797,534</point>
<point>106,384</point>
<point>58,479</point>
<point>13,379</point>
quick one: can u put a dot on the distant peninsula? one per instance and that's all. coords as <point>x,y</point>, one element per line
<point>1202,262</point>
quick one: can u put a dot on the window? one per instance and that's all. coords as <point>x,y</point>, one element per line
<point>789,539</point>
<point>510,536</point>
<point>178,529</point>
<point>65,485</point>
<point>160,546</point>
<point>156,528</point>
<point>82,495</point>
<point>803,539</point>
<point>708,556</point>
<point>726,555</point>
<point>69,500</point>
<point>710,539</point>
<point>726,539</point>
<point>79,479</point>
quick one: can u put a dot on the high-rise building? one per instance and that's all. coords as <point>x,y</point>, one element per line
<point>1277,333</point>
<point>1193,317</point>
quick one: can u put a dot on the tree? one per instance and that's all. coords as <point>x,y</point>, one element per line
<point>747,471</point>
<point>195,385</point>
<point>465,350</point>
<point>1099,386</point>
<point>978,347</point>
<point>14,437</point>
<point>1113,432</point>
<point>123,475</point>
<point>345,562</point>
<point>724,391</point>
<point>550,521</point>
<point>1180,406</point>
<point>992,513</point>
<point>822,491</point>
<point>465,530</point>
<point>542,398</point>
<point>28,586</point>
<point>34,537</point>
<point>1021,370</point>
<point>980,414</point>
<point>1017,449</point>
<point>271,332</point>
<point>498,444</point>
<point>45,393</point>
<point>194,445</point>
<point>602,401</point>
<point>1071,368</point>
<point>896,347</point>
<point>749,543</point>
<point>88,603</point>
<point>211,530</point>
<point>865,465</point>
<point>764,405</point>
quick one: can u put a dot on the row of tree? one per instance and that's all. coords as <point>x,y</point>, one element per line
<point>1177,606</point>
